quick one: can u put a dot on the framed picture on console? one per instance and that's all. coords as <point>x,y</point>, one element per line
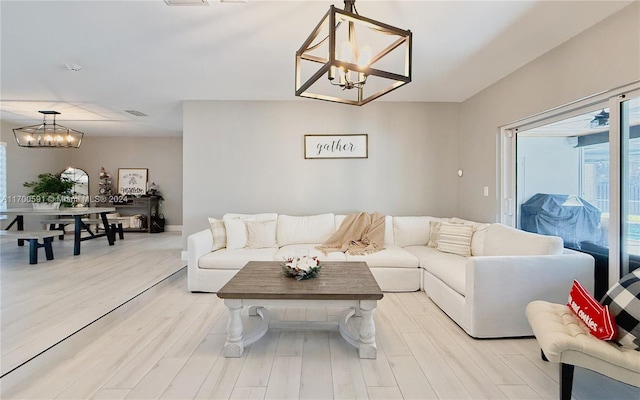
<point>336,146</point>
<point>132,181</point>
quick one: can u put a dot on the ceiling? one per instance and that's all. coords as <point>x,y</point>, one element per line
<point>148,56</point>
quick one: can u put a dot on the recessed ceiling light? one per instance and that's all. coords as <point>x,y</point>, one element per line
<point>136,113</point>
<point>73,67</point>
<point>187,2</point>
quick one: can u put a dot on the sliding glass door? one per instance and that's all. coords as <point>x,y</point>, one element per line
<point>629,108</point>
<point>574,172</point>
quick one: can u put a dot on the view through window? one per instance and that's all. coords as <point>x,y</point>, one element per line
<point>563,173</point>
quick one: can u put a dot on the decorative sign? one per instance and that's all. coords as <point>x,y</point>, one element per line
<point>336,146</point>
<point>594,315</point>
<point>132,181</point>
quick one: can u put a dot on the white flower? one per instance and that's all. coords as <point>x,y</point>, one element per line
<point>304,265</point>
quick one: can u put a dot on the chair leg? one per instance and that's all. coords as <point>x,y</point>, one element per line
<point>566,381</point>
<point>543,356</point>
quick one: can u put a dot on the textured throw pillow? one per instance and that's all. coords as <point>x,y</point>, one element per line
<point>623,300</point>
<point>594,315</point>
<point>434,233</point>
<point>219,234</point>
<point>455,239</point>
<point>261,234</point>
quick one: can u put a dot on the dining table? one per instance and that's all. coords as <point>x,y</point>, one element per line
<point>76,212</point>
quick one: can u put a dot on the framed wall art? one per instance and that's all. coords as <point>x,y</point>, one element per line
<point>336,146</point>
<point>132,181</point>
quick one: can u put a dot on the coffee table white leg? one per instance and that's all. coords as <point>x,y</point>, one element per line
<point>367,347</point>
<point>234,346</point>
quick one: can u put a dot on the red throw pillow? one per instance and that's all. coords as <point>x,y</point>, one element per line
<point>596,316</point>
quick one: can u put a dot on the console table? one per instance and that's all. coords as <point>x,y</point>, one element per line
<point>137,205</point>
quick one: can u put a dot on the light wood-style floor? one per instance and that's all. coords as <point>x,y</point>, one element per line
<point>168,345</point>
<point>44,303</point>
<point>171,348</point>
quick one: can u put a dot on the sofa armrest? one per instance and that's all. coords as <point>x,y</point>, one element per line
<point>498,288</point>
<point>198,244</point>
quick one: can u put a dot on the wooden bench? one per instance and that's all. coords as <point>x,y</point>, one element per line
<point>59,224</point>
<point>34,238</point>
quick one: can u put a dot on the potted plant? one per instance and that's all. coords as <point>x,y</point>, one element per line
<point>49,191</point>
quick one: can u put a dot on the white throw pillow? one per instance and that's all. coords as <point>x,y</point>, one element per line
<point>434,234</point>
<point>261,234</point>
<point>236,233</point>
<point>477,241</point>
<point>237,230</point>
<point>219,234</point>
<point>455,239</point>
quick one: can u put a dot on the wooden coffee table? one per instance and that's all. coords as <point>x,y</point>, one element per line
<point>339,284</point>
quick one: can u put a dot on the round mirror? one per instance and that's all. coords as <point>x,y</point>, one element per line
<point>80,180</point>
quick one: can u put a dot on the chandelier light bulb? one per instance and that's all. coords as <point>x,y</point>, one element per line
<point>364,58</point>
<point>346,50</point>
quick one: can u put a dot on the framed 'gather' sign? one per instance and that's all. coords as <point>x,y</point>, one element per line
<point>336,146</point>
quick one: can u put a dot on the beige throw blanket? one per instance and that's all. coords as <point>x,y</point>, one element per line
<point>359,234</point>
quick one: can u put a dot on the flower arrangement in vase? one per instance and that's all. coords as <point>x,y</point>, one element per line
<point>301,268</point>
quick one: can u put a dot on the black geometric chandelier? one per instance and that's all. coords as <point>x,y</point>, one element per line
<point>362,59</point>
<point>48,135</point>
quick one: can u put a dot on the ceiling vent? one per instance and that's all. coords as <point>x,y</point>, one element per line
<point>187,2</point>
<point>136,113</point>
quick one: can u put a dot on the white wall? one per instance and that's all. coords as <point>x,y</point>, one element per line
<point>247,157</point>
<point>162,156</point>
<point>601,58</point>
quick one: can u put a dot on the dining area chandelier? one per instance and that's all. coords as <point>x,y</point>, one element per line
<point>362,59</point>
<point>48,134</point>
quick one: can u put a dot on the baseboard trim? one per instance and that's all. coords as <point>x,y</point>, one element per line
<point>173,228</point>
<point>20,378</point>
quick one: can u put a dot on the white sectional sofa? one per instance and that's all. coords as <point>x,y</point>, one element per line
<point>485,291</point>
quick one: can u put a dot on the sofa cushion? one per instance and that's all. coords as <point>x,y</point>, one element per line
<point>289,251</point>
<point>305,229</point>
<point>392,256</point>
<point>449,268</point>
<point>237,230</point>
<point>455,239</point>
<point>411,231</point>
<point>502,240</point>
<point>261,234</point>
<point>235,258</point>
<point>219,234</point>
<point>623,300</point>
